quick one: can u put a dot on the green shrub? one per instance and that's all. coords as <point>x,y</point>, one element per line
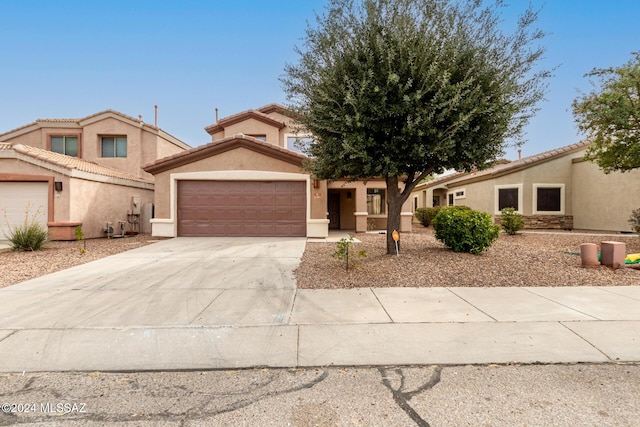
<point>511,221</point>
<point>634,220</point>
<point>29,236</point>
<point>426,215</point>
<point>465,230</point>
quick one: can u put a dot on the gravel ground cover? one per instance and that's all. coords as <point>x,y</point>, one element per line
<point>525,259</point>
<point>16,267</point>
<point>522,260</point>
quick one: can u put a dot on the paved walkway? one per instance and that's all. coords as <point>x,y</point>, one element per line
<point>215,303</point>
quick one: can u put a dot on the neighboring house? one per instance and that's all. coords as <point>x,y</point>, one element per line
<point>70,172</point>
<point>554,189</point>
<point>250,181</point>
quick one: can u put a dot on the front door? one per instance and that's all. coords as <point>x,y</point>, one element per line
<point>334,211</point>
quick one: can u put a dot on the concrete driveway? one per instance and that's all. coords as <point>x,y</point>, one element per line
<point>152,303</point>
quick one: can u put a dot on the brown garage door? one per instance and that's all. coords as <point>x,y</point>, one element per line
<point>242,208</point>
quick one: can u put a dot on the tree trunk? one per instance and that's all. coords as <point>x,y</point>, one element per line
<point>395,200</point>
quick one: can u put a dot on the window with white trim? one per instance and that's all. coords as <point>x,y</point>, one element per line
<point>548,199</point>
<point>459,194</point>
<point>508,196</point>
<point>113,146</point>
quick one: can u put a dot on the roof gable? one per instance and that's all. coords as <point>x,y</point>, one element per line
<point>241,117</point>
<point>510,167</point>
<point>220,146</point>
<point>87,120</point>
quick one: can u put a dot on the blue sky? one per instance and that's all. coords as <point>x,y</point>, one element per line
<point>67,59</point>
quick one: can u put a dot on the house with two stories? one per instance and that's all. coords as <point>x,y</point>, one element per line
<point>250,180</point>
<point>553,189</point>
<point>87,171</point>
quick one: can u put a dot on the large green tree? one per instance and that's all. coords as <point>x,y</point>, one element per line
<point>401,89</point>
<point>610,116</point>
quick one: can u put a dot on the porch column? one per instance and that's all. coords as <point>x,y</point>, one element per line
<point>361,213</point>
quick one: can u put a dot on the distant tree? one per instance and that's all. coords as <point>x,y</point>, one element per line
<point>402,89</point>
<point>610,115</point>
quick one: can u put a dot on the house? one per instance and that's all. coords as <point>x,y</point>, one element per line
<point>250,181</point>
<point>554,189</point>
<point>87,171</point>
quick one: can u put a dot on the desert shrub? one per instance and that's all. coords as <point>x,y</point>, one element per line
<point>465,230</point>
<point>511,221</point>
<point>29,236</point>
<point>634,220</point>
<point>426,215</point>
<point>345,251</point>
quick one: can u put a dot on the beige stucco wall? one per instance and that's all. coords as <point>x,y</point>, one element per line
<point>237,159</point>
<point>35,138</point>
<point>480,194</point>
<point>91,203</point>
<point>96,203</point>
<point>91,144</point>
<point>254,127</point>
<point>144,145</point>
<point>604,201</point>
<point>163,147</point>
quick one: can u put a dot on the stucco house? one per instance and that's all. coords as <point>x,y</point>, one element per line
<point>86,171</point>
<point>554,189</point>
<point>250,181</point>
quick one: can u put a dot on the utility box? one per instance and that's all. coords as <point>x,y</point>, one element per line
<point>135,205</point>
<point>612,254</point>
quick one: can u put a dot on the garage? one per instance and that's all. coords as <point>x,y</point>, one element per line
<point>16,198</point>
<point>242,208</point>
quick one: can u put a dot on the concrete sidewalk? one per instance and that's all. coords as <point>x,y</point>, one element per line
<point>166,307</point>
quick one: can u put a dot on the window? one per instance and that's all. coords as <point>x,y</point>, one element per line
<point>298,143</point>
<point>508,196</point>
<point>450,199</point>
<point>375,201</point>
<point>415,203</point>
<point>459,194</point>
<point>260,137</point>
<point>67,145</point>
<point>548,198</point>
<point>114,146</point>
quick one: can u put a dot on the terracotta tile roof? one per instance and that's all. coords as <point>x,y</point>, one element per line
<point>242,116</point>
<point>221,145</point>
<point>503,168</point>
<point>72,163</point>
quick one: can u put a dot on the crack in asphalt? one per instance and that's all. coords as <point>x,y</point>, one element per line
<point>256,392</point>
<point>402,397</point>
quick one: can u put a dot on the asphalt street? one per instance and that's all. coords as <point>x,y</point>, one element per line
<point>493,395</point>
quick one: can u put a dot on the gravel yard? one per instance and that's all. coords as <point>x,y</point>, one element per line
<point>522,260</point>
<point>17,267</point>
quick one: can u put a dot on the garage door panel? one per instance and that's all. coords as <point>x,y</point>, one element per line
<point>17,199</point>
<point>246,208</point>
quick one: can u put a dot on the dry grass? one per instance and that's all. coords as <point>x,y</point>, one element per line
<point>521,260</point>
